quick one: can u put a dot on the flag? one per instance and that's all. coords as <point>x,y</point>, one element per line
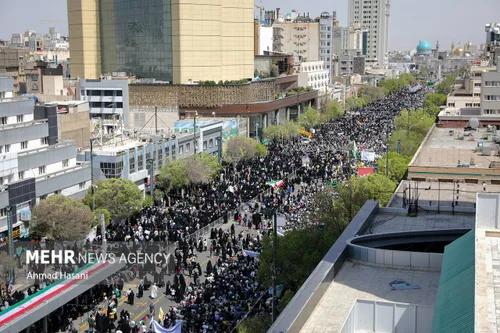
<point>247,253</point>
<point>276,183</point>
<point>161,314</point>
<point>157,328</point>
<point>355,150</point>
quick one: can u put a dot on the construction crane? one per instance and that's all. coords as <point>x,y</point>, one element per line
<point>262,9</point>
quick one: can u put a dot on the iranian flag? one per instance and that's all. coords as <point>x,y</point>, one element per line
<point>276,183</point>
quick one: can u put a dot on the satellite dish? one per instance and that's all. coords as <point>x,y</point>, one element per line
<point>474,123</point>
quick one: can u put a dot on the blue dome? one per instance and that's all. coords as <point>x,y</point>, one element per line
<point>424,45</point>
<point>407,58</point>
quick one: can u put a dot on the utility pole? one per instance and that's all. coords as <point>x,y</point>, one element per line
<point>275,239</point>
<point>194,129</point>
<point>408,128</point>
<point>151,175</point>
<point>11,241</point>
<point>156,120</point>
<point>387,154</point>
<point>92,175</point>
<point>219,139</point>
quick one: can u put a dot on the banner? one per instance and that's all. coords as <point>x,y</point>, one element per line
<point>251,254</point>
<point>157,328</point>
<point>365,172</point>
<point>368,156</point>
<point>161,314</point>
<point>276,183</point>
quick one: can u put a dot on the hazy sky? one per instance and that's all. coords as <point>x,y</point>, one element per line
<point>411,20</point>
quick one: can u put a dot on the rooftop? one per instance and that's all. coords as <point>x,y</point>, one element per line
<point>447,147</point>
<point>358,281</point>
<point>74,102</point>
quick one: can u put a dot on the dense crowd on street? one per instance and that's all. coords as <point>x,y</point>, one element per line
<point>217,296</point>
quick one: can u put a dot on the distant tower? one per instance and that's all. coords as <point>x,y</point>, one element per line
<point>437,49</point>
<point>467,49</point>
<point>452,47</point>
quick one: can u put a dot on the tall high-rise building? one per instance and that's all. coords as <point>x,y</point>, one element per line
<point>170,40</point>
<point>373,15</point>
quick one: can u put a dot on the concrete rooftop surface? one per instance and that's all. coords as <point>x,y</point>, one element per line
<point>358,281</point>
<point>445,150</point>
<point>384,223</point>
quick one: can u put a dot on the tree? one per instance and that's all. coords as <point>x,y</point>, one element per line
<point>148,201</point>
<point>61,218</point>
<point>398,166</point>
<point>285,299</point>
<point>354,103</point>
<point>331,109</point>
<point>408,141</point>
<point>240,148</point>
<point>120,197</point>
<point>7,263</point>
<point>418,121</point>
<point>406,79</point>
<point>201,168</point>
<point>255,324</point>
<point>97,216</point>
<point>284,131</point>
<point>174,175</point>
<point>310,118</point>
<point>445,86</point>
<point>371,93</point>
<point>274,71</point>
<point>390,84</point>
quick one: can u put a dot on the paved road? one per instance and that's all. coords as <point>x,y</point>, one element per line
<point>141,305</point>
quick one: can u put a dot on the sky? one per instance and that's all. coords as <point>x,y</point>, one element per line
<point>411,20</point>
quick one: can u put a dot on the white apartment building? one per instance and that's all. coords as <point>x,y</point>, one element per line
<point>265,39</point>
<point>314,74</point>
<point>34,163</point>
<point>373,15</point>
<point>298,37</point>
<point>326,39</point>
<point>108,101</point>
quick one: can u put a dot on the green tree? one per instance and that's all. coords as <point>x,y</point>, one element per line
<point>310,118</point>
<point>240,148</point>
<point>285,299</point>
<point>174,175</point>
<point>120,197</point>
<point>371,93</point>
<point>390,84</point>
<point>255,324</point>
<point>332,109</point>
<point>409,142</point>
<point>398,165</point>
<point>61,218</point>
<point>201,168</point>
<point>7,263</point>
<point>444,87</point>
<point>148,201</point>
<point>354,103</point>
<point>284,131</point>
<point>97,216</point>
<point>418,121</point>
<point>406,79</point>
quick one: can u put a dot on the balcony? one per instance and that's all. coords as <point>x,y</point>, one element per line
<point>59,180</point>
<point>10,107</point>
<point>15,133</point>
<point>46,155</point>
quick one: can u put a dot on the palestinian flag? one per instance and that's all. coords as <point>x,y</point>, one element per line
<point>276,183</point>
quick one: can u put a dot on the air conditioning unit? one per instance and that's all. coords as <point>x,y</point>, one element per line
<point>25,215</point>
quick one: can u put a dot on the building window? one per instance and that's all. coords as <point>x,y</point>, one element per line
<point>468,105</point>
<point>477,94</point>
<point>65,163</point>
<point>3,212</point>
<point>41,170</point>
<point>477,84</point>
<point>211,143</point>
<point>204,145</point>
<point>188,146</point>
<point>108,92</point>
<point>24,145</point>
<point>491,97</point>
<point>181,149</point>
<point>34,86</point>
<point>119,93</point>
<point>44,141</point>
<point>3,120</point>
<point>451,104</point>
<point>1,181</point>
<point>20,175</point>
<point>140,162</point>
<point>7,148</point>
<point>112,170</point>
<point>131,163</point>
<point>20,118</point>
<point>95,92</point>
<point>81,185</point>
<point>491,111</point>
<point>477,105</point>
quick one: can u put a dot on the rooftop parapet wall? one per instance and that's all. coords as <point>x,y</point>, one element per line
<point>200,96</point>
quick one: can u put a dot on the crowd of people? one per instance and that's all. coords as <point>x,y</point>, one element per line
<point>220,294</point>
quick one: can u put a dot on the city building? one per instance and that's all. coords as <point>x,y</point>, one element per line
<point>372,280</point>
<point>492,46</point>
<point>108,101</point>
<point>73,121</point>
<point>346,63</point>
<point>264,102</point>
<point>424,48</point>
<point>168,40</point>
<point>132,158</point>
<point>490,92</point>
<point>374,18</point>
<point>301,37</point>
<point>34,161</point>
<point>315,75</point>
<point>13,60</point>
<point>265,39</point>
<point>17,40</point>
<point>326,38</point>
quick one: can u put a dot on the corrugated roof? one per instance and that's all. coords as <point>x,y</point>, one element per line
<point>454,309</point>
